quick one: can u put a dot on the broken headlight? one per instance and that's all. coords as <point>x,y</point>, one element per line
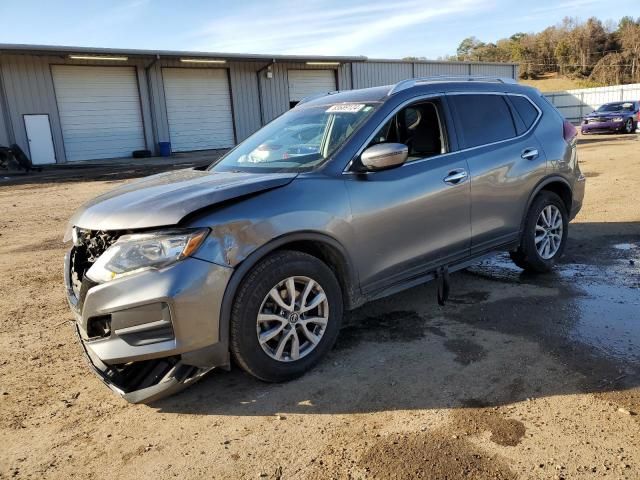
<point>143,251</point>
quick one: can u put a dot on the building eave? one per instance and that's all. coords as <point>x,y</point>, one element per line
<point>69,50</point>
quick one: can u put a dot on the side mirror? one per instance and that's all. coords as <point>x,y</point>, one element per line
<point>384,155</point>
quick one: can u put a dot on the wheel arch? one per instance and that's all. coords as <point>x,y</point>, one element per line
<point>320,245</point>
<point>556,184</point>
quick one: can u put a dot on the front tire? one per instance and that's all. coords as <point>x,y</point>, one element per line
<point>545,234</point>
<point>286,316</point>
<point>628,126</point>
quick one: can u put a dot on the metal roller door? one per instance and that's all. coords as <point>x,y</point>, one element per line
<point>198,108</point>
<point>99,111</point>
<point>303,83</point>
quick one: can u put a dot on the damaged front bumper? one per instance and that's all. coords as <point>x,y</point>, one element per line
<point>151,334</point>
<point>163,377</point>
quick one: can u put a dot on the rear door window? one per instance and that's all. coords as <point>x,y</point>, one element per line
<point>484,119</point>
<point>525,109</point>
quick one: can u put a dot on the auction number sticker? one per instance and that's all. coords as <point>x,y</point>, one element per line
<point>346,108</point>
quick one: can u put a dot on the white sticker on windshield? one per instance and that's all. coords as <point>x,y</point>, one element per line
<point>627,105</point>
<point>346,108</point>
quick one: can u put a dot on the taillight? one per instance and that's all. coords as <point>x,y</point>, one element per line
<point>569,132</point>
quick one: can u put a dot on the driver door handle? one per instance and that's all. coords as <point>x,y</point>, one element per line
<point>529,154</point>
<point>455,177</point>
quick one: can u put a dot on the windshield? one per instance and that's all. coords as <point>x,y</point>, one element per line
<point>299,140</point>
<point>616,107</point>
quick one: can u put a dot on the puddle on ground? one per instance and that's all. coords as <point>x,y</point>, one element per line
<point>608,318</point>
<point>466,351</point>
<point>395,326</point>
<point>598,304</point>
<point>625,246</point>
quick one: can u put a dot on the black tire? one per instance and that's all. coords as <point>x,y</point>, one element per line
<point>21,157</point>
<point>527,256</point>
<point>244,345</point>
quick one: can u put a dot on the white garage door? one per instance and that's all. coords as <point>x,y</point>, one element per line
<point>198,108</point>
<point>303,83</point>
<point>99,111</point>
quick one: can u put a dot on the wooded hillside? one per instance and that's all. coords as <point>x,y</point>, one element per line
<point>601,53</point>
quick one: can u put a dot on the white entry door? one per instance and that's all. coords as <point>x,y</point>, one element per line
<point>40,140</point>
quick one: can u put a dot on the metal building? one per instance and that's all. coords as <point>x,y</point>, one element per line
<point>65,104</point>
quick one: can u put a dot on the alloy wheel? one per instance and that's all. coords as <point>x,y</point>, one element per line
<point>292,319</point>
<point>629,126</point>
<point>549,229</point>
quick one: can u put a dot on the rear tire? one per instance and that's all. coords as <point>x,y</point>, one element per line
<point>544,236</point>
<point>266,317</point>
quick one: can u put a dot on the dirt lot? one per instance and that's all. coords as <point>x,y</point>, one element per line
<point>517,377</point>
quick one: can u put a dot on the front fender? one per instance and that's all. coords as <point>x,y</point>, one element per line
<point>310,209</point>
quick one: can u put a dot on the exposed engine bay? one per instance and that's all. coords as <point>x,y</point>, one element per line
<point>88,246</point>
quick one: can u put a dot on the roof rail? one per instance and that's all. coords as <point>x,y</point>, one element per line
<point>411,82</point>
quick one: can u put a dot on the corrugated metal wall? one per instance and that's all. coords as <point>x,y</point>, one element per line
<point>374,74</point>
<point>256,99</point>
<point>441,68</point>
<point>275,90</point>
<point>29,89</point>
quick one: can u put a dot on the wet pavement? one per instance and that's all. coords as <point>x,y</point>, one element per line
<point>586,313</point>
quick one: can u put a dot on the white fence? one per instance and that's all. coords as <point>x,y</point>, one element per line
<point>574,104</point>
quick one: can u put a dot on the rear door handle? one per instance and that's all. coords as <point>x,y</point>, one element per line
<point>529,154</point>
<point>455,177</point>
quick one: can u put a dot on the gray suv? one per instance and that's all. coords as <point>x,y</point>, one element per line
<point>349,197</point>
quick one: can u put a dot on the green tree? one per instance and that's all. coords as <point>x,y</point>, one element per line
<point>467,47</point>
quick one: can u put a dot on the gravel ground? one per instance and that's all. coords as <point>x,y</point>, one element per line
<point>519,376</point>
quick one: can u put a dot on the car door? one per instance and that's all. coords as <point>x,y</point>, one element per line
<point>413,217</point>
<point>505,160</point>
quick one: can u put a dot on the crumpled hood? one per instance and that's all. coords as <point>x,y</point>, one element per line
<point>166,198</point>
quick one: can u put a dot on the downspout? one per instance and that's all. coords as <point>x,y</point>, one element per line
<point>353,87</point>
<point>8,125</point>
<point>154,124</point>
<point>258,72</point>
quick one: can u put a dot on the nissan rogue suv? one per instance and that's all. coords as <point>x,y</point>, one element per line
<point>349,197</point>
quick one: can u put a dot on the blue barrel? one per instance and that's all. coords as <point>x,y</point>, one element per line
<point>165,149</point>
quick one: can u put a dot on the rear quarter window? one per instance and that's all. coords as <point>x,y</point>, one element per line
<point>484,119</point>
<point>525,109</point>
